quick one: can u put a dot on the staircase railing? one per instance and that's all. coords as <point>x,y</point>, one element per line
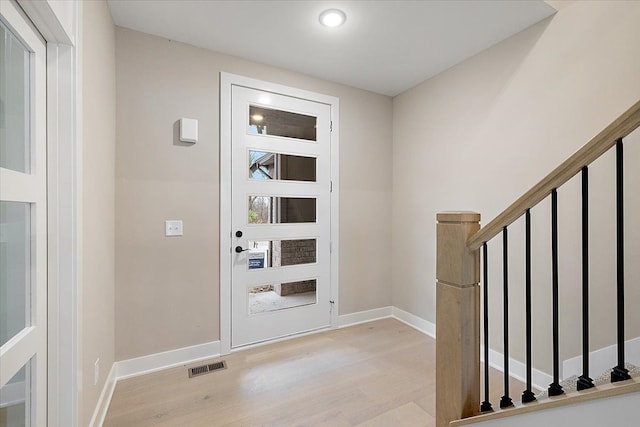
<point>459,239</point>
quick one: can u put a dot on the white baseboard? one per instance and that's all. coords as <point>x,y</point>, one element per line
<point>100,412</point>
<point>364,316</point>
<point>415,322</point>
<point>412,320</point>
<point>603,360</point>
<point>517,369</point>
<point>167,359</point>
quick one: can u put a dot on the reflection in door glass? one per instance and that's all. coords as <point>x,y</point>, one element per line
<point>15,265</point>
<point>281,210</point>
<point>280,296</point>
<point>285,167</point>
<point>266,121</point>
<point>15,405</point>
<point>14,99</point>
<point>281,253</point>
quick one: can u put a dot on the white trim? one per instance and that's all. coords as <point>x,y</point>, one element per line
<point>226,82</point>
<point>400,315</point>
<point>228,78</point>
<point>352,319</point>
<point>62,227</point>
<point>335,212</point>
<point>415,322</point>
<point>75,191</point>
<point>46,21</point>
<point>517,369</point>
<point>603,359</point>
<point>100,413</point>
<point>62,95</point>
<point>167,359</point>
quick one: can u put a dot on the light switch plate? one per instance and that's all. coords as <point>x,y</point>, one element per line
<point>173,227</point>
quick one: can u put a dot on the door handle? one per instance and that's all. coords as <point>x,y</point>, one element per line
<point>240,250</point>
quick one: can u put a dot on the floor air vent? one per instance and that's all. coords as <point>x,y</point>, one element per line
<point>205,369</point>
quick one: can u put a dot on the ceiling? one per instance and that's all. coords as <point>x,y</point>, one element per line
<point>384,47</point>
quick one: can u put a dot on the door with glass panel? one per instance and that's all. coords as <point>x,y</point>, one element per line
<point>23,222</point>
<point>281,187</point>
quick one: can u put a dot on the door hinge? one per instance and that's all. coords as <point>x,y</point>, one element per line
<point>330,186</point>
<point>331,126</point>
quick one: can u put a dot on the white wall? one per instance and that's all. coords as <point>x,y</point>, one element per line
<point>479,135</point>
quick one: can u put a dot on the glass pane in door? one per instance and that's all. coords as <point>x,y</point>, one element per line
<point>284,167</point>
<point>15,402</point>
<point>281,210</point>
<point>15,267</point>
<point>281,253</point>
<point>281,296</point>
<point>267,121</point>
<point>14,102</point>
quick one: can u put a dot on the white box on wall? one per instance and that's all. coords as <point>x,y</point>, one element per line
<point>188,130</point>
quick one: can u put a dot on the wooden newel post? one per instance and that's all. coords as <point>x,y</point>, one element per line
<point>457,318</point>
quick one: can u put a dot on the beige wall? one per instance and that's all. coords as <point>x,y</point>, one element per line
<point>479,135</point>
<point>96,320</point>
<point>167,289</point>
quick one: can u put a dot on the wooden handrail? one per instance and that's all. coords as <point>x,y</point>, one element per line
<point>619,128</point>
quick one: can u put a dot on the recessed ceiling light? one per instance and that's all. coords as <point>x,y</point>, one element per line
<point>332,18</point>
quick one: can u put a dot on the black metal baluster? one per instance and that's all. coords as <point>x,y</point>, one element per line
<point>486,405</point>
<point>505,401</point>
<point>620,373</point>
<point>527,395</point>
<point>555,388</point>
<point>584,381</point>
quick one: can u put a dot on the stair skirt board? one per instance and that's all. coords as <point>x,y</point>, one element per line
<point>602,360</point>
<point>611,404</point>
<point>569,384</point>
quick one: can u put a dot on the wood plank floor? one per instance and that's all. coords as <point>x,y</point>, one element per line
<point>380,373</point>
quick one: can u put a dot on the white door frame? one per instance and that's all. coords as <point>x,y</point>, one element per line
<point>64,158</point>
<point>226,82</point>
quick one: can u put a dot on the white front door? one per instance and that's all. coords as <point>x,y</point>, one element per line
<point>280,215</point>
<point>23,222</point>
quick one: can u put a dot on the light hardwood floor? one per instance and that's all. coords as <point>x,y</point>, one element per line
<point>380,373</point>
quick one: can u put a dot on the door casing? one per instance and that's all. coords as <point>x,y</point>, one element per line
<point>228,80</point>
<point>64,156</point>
